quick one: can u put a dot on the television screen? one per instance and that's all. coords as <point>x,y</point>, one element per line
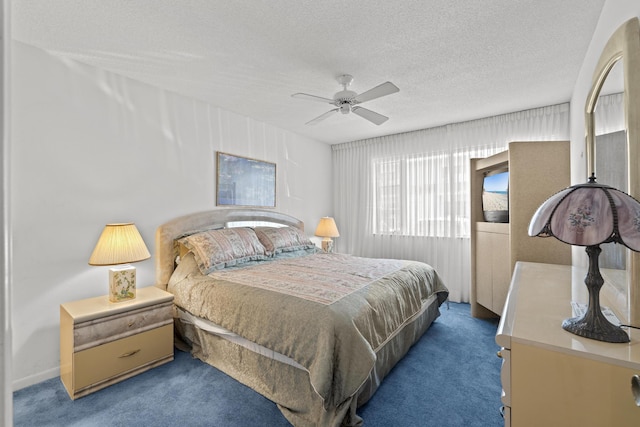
<point>495,197</point>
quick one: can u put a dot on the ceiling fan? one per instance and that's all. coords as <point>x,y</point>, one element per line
<point>347,101</point>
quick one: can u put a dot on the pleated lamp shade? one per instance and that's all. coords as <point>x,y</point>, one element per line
<point>327,228</point>
<point>119,244</point>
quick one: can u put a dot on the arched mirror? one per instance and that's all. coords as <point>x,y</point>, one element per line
<point>613,150</point>
<point>611,157</point>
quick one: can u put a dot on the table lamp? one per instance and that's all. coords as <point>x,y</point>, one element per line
<point>120,244</point>
<point>327,229</point>
<point>588,215</point>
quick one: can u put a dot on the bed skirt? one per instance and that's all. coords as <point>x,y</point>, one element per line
<point>288,386</point>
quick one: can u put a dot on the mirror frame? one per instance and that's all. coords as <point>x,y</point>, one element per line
<point>624,44</point>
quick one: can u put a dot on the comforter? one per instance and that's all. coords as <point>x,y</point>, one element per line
<point>328,312</point>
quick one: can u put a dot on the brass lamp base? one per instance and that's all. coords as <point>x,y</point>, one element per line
<point>593,324</point>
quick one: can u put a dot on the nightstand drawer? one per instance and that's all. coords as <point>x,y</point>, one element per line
<point>106,329</point>
<point>108,361</point>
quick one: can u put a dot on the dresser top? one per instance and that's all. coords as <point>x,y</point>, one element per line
<point>98,307</point>
<point>540,299</point>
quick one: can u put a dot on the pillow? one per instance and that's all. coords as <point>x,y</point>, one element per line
<point>216,249</point>
<point>297,253</point>
<point>282,239</point>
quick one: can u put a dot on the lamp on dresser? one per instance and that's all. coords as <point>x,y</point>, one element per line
<point>327,229</point>
<point>120,244</point>
<point>588,215</point>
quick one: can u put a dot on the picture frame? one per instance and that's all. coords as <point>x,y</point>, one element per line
<point>243,181</point>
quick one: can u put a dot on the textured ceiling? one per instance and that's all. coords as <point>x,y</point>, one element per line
<point>453,60</point>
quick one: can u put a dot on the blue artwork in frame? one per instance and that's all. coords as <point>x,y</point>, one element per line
<point>241,181</point>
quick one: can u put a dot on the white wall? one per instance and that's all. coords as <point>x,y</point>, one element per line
<point>6,397</point>
<point>91,147</point>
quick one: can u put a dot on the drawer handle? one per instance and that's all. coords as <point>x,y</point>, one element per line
<point>131,323</point>
<point>635,388</point>
<point>499,354</point>
<point>129,354</point>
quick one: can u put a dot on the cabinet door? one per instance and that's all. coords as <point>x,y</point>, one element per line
<point>484,269</point>
<point>493,271</point>
<point>501,271</point>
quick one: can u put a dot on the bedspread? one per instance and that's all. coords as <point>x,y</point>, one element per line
<point>331,320</point>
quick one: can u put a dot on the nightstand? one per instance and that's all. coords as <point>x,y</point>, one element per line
<point>102,343</point>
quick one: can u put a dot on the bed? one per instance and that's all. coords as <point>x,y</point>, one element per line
<point>315,333</point>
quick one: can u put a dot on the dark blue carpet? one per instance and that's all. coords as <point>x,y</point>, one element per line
<point>451,377</point>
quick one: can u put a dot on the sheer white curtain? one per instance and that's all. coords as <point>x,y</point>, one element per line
<point>609,114</point>
<point>407,195</point>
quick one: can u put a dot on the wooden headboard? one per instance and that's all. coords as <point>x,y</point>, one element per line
<point>217,218</point>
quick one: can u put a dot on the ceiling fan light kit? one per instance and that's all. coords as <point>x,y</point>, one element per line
<point>347,100</point>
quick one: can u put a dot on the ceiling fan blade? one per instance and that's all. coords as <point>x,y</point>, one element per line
<point>312,97</point>
<point>383,89</point>
<point>322,116</point>
<point>372,116</point>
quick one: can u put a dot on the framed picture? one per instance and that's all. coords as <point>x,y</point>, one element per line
<point>241,181</point>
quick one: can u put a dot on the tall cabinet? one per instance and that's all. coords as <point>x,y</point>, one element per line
<point>536,171</point>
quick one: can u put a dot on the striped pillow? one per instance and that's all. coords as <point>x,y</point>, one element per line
<point>282,239</point>
<point>226,247</point>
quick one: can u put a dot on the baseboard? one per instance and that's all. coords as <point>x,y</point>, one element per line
<point>35,379</point>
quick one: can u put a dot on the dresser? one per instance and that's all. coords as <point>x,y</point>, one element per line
<point>551,377</point>
<point>102,342</point>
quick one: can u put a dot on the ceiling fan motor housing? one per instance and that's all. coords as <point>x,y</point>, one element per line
<point>344,96</point>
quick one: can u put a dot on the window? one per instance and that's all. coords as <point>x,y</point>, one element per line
<point>424,194</point>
